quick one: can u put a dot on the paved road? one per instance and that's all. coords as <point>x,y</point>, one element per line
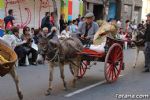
<point>34,82</point>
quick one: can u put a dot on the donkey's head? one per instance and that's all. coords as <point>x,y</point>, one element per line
<point>47,46</point>
<point>137,35</point>
<point>138,38</point>
<point>42,48</point>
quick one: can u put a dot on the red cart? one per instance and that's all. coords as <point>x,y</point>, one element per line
<point>112,57</point>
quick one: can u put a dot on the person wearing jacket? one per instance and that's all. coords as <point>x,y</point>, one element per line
<point>147,45</point>
<point>31,52</point>
<point>46,21</point>
<point>87,29</point>
<point>17,45</point>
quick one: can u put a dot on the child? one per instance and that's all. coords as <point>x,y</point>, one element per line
<point>65,33</point>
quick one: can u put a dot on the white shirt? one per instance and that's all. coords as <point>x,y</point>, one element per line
<point>65,34</point>
<point>12,40</point>
<point>73,28</point>
<point>8,39</point>
<point>119,24</point>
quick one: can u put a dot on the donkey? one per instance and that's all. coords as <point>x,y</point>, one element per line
<point>14,75</point>
<point>138,40</point>
<point>60,52</point>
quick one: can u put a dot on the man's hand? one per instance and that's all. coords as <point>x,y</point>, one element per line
<point>103,34</point>
<point>82,36</point>
<point>24,41</point>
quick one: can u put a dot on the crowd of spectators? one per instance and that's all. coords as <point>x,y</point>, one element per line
<point>25,43</point>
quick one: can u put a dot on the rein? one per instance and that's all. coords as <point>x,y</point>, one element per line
<point>56,56</point>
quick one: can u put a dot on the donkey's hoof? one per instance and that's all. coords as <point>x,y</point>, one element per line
<point>20,95</point>
<point>73,85</point>
<point>65,89</point>
<point>48,92</point>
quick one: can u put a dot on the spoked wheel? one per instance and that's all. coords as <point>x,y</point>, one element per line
<point>113,63</point>
<point>82,69</point>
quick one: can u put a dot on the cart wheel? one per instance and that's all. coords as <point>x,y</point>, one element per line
<point>113,63</point>
<point>81,70</point>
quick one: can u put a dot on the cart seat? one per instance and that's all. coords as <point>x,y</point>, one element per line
<point>92,53</point>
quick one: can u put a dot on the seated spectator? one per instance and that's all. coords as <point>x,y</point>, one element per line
<point>8,38</point>
<point>70,24</point>
<point>82,20</point>
<point>31,52</point>
<point>74,27</point>
<point>45,31</point>
<point>17,45</point>
<point>65,33</point>
<point>32,32</point>
<point>35,36</point>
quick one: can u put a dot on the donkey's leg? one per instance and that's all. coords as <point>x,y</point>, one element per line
<point>62,75</point>
<point>51,70</point>
<point>76,69</point>
<point>136,58</point>
<point>16,80</point>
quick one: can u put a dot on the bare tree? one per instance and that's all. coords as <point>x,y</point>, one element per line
<point>105,3</point>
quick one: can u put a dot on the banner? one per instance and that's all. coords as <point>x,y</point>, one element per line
<point>2,13</point>
<point>1,4</point>
<point>70,10</point>
<point>66,10</point>
<point>81,7</point>
<point>2,9</point>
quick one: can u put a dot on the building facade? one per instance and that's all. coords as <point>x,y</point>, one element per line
<point>28,12</point>
<point>112,9</point>
<point>95,6</point>
<point>131,10</point>
<point>145,9</point>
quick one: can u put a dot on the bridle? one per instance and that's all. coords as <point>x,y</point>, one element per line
<point>43,51</point>
<point>56,57</point>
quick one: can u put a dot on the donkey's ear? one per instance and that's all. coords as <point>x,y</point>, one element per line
<point>53,42</point>
<point>39,35</point>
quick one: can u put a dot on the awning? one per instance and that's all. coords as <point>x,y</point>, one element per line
<point>14,1</point>
<point>95,1</point>
<point>130,2</point>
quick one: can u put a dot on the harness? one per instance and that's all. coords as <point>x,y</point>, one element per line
<point>56,56</point>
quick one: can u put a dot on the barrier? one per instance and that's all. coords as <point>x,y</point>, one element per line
<point>1,32</point>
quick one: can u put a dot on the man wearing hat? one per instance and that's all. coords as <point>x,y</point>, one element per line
<point>147,45</point>
<point>87,29</point>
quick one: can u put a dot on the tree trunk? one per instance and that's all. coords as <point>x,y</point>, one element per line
<point>84,7</point>
<point>105,2</point>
